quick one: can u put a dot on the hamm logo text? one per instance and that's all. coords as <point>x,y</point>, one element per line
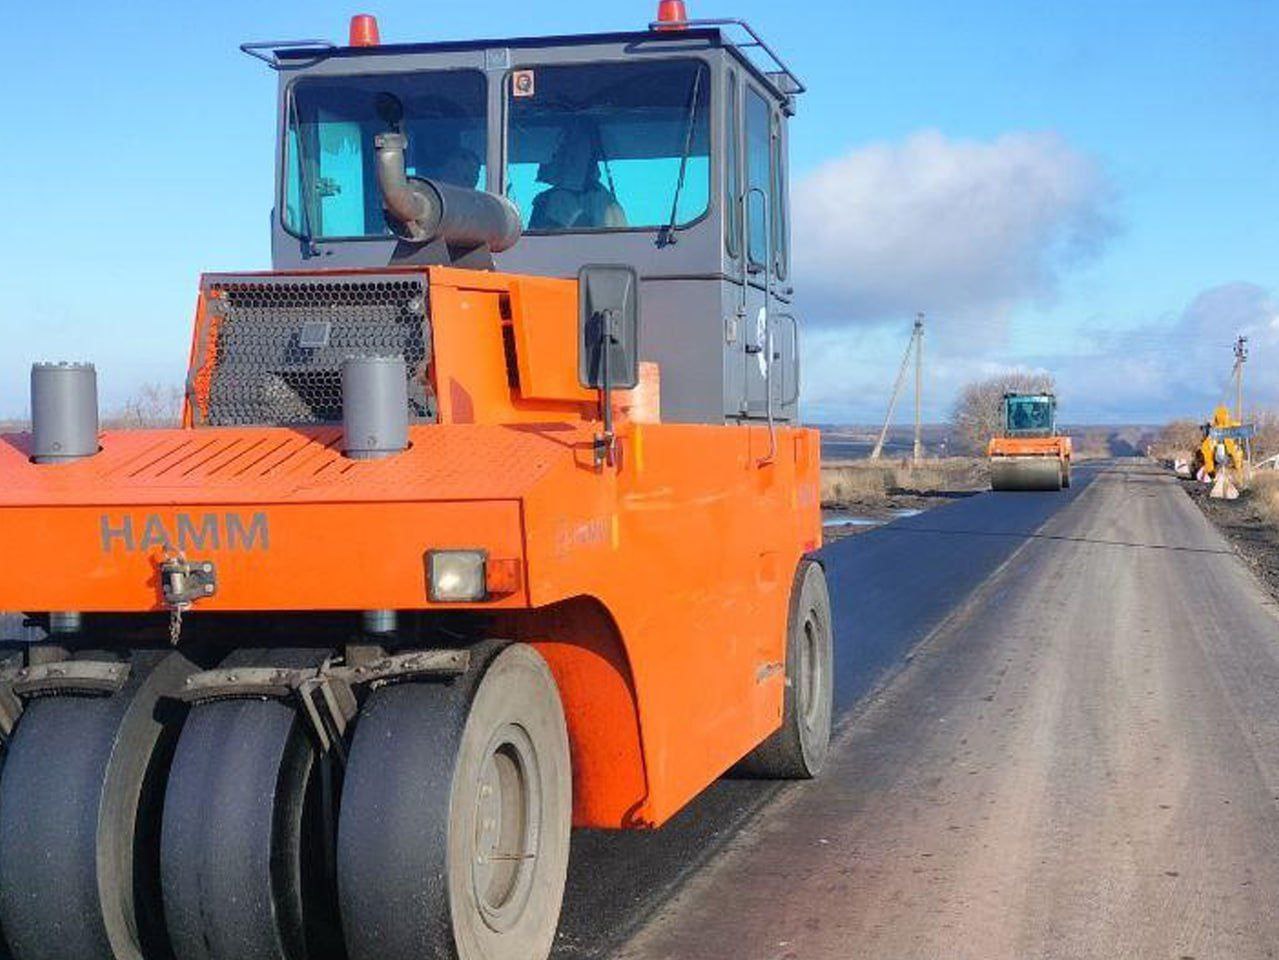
<point>185,531</point>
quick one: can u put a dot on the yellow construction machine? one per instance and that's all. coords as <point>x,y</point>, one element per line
<point>1219,449</point>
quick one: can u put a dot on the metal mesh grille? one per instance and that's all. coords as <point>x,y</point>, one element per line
<point>280,343</point>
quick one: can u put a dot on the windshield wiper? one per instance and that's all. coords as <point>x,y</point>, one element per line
<point>666,235</point>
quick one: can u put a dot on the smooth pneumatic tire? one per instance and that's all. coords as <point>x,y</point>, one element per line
<point>80,800</point>
<point>798,750</point>
<point>241,848</point>
<point>456,808</point>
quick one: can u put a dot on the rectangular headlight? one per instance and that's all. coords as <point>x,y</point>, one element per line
<point>457,576</point>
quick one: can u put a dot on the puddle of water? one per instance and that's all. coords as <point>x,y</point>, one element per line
<point>842,518</point>
<point>849,520</point>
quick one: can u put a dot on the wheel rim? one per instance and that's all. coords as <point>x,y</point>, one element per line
<point>810,672</point>
<point>508,808</point>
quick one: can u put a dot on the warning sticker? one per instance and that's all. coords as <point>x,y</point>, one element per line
<point>523,83</point>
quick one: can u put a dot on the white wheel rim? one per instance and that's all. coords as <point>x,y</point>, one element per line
<point>506,839</point>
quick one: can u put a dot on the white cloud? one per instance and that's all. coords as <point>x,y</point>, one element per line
<point>848,376</point>
<point>1181,366</point>
<point>1176,366</point>
<point>953,227</point>
<point>1234,309</point>
<point>974,232</point>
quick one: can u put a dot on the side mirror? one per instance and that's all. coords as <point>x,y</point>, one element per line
<point>608,327</point>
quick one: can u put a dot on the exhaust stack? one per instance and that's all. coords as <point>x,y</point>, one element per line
<point>64,412</point>
<point>424,210</point>
<point>375,407</point>
<point>375,424</point>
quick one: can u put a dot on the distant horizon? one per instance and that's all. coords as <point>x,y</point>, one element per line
<point>894,429</point>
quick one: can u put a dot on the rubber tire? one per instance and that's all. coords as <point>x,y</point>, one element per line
<point>79,813</point>
<point>798,750</point>
<point>408,824</point>
<point>240,855</point>
<point>1065,476</point>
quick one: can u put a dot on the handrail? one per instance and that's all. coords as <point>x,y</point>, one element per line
<point>795,83</point>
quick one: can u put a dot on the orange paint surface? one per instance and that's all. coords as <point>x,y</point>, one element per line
<point>1059,447</point>
<point>657,588</point>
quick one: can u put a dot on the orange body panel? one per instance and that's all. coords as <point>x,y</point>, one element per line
<point>657,589</point>
<point>1058,447</point>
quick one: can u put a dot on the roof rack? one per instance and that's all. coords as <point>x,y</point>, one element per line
<point>774,70</point>
<point>782,76</point>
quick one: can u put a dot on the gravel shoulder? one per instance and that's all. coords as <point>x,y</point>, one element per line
<point>1250,530</point>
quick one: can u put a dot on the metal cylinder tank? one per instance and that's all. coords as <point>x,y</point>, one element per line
<point>375,407</point>
<point>64,412</point>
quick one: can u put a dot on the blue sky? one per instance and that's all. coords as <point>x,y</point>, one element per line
<point>1090,188</point>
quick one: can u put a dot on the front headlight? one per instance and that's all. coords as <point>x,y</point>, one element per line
<point>458,576</point>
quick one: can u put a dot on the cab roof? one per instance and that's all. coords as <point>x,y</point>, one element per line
<point>299,54</point>
<point>309,52</point>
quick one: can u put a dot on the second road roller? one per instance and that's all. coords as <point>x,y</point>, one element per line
<point>1029,453</point>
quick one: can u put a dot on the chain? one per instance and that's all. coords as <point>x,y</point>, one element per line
<point>175,609</point>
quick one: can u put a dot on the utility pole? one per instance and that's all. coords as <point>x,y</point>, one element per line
<point>1241,357</point>
<point>919,382</point>
<point>897,387</point>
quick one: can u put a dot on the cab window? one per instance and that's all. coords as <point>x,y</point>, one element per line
<point>733,188</point>
<point>758,175</point>
<point>609,146</point>
<point>330,186</point>
<point>781,233</point>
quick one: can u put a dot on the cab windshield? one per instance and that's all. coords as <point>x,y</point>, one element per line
<point>1030,415</point>
<point>330,183</point>
<point>609,146</point>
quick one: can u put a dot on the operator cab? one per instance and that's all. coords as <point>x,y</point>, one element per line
<point>1030,415</point>
<point>663,149</point>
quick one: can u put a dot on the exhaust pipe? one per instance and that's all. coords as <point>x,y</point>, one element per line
<point>375,424</point>
<point>424,210</point>
<point>64,428</point>
<point>375,407</point>
<point>64,412</point>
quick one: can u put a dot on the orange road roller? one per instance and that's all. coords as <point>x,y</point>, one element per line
<point>1029,454</point>
<point>489,516</point>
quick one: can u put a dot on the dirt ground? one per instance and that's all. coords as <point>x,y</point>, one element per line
<point>1248,528</point>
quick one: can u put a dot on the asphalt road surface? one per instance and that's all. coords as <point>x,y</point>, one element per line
<point>1059,738</point>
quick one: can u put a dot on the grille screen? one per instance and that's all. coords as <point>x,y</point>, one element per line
<point>277,351</point>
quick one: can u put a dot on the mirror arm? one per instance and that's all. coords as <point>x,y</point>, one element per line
<point>606,443</point>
